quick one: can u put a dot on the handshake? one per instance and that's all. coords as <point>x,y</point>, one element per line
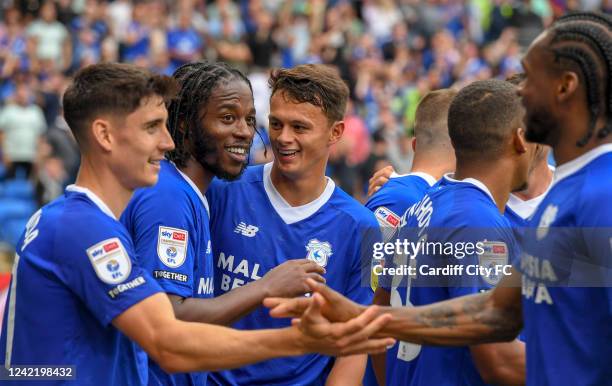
<point>331,324</point>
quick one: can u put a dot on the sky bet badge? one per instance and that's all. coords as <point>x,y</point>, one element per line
<point>319,251</point>
<point>110,261</point>
<point>495,254</point>
<point>172,246</point>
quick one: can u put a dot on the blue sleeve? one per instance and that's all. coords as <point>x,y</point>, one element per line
<point>592,265</point>
<point>483,266</point>
<point>360,288</point>
<point>97,265</point>
<point>165,237</point>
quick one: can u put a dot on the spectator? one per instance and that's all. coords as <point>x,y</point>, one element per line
<point>52,39</point>
<point>21,125</point>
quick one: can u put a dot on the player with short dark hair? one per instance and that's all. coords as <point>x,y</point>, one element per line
<point>289,209</point>
<point>564,300</point>
<point>212,121</point>
<point>75,269</point>
<point>433,157</point>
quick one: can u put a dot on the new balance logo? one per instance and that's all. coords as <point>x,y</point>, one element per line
<point>246,230</point>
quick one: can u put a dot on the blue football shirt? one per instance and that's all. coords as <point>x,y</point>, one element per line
<point>389,204</point>
<point>254,230</point>
<point>74,273</point>
<point>170,228</point>
<point>567,276</point>
<point>457,215</point>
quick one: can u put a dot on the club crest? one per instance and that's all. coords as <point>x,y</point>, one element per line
<point>548,217</point>
<point>318,251</point>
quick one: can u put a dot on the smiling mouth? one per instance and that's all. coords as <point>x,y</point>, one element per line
<point>288,153</point>
<point>236,150</point>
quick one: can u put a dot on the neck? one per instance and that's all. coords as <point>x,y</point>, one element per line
<point>493,176</point>
<point>299,190</point>
<point>538,183</point>
<point>103,184</point>
<point>433,168</point>
<point>576,126</point>
<point>200,176</point>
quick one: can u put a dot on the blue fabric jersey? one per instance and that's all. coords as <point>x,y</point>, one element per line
<point>389,205</point>
<point>74,274</point>
<point>454,213</point>
<point>567,276</point>
<point>169,225</point>
<point>254,230</point>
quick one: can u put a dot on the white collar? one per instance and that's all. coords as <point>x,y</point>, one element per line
<point>573,166</point>
<point>525,208</point>
<point>473,181</point>
<point>292,214</point>
<point>93,197</point>
<point>194,187</point>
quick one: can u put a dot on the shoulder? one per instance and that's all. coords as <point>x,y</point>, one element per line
<point>351,210</point>
<point>251,175</point>
<point>88,227</point>
<point>593,193</point>
<point>467,206</point>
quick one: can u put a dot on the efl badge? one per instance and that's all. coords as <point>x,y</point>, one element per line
<point>495,254</point>
<point>172,246</point>
<point>387,217</point>
<point>319,251</point>
<point>549,215</point>
<point>110,261</point>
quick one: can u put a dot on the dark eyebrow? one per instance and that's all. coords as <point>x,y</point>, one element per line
<point>153,123</point>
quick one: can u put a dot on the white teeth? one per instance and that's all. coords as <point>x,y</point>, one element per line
<point>287,152</point>
<point>237,150</point>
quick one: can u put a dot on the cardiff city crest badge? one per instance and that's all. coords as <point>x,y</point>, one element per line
<point>548,217</point>
<point>318,251</point>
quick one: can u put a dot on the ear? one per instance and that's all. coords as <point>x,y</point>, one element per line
<point>336,132</point>
<point>518,141</point>
<point>567,86</point>
<point>413,143</point>
<point>101,134</point>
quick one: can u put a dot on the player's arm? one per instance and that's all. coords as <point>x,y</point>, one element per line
<point>347,371</point>
<point>382,297</point>
<point>286,280</point>
<point>492,316</point>
<point>179,346</point>
<point>500,363</point>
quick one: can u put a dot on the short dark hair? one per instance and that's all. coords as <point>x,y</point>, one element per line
<point>482,116</point>
<point>110,88</point>
<point>581,43</point>
<point>431,126</point>
<point>317,84</point>
<point>516,79</point>
<point>197,81</point>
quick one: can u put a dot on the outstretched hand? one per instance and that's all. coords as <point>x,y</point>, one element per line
<point>289,278</point>
<point>334,306</point>
<point>347,338</point>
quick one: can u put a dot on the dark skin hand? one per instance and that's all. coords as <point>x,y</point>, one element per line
<point>286,280</point>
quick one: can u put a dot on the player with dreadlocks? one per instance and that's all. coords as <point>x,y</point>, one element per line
<point>212,122</point>
<point>565,302</point>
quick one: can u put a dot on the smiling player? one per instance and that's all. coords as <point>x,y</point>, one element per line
<point>288,210</point>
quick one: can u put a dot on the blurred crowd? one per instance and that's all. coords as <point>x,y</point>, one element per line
<point>390,52</point>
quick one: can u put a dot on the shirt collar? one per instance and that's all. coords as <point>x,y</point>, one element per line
<point>573,166</point>
<point>472,181</point>
<point>93,197</point>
